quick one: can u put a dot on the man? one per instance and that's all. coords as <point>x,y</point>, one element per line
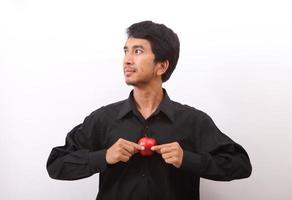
<point>189,145</point>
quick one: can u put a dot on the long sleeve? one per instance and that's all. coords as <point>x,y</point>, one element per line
<point>81,156</point>
<point>218,157</point>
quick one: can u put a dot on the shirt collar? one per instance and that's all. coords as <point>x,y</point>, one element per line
<point>165,106</point>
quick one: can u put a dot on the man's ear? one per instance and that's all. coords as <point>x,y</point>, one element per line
<point>163,66</point>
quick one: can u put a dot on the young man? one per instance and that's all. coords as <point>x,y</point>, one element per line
<point>188,143</point>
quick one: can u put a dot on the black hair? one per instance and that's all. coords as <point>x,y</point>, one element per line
<point>164,42</point>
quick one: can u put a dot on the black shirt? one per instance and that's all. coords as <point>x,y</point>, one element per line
<point>207,152</point>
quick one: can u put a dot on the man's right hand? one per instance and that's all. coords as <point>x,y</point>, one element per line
<point>122,150</point>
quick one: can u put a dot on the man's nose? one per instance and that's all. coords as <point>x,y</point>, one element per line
<point>128,59</point>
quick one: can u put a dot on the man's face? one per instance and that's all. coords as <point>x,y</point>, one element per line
<point>139,66</point>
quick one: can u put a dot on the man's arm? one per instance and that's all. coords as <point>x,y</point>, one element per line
<point>83,154</point>
<point>218,157</point>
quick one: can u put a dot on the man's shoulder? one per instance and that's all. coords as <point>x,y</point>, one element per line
<point>114,105</point>
<point>186,109</point>
<point>110,109</point>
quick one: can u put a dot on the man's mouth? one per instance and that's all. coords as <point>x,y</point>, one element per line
<point>129,71</point>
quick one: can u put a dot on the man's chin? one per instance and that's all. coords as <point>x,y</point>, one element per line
<point>130,83</point>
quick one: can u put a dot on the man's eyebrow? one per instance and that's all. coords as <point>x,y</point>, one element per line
<point>134,47</point>
<point>138,47</point>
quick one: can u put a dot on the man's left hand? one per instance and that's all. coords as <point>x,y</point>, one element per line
<point>172,153</point>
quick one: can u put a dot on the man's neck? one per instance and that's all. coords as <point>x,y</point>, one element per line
<point>148,99</point>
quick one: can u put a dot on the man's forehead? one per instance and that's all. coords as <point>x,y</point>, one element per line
<point>134,42</point>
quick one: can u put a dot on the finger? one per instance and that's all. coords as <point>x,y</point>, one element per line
<point>157,147</point>
<point>172,161</point>
<point>127,147</point>
<point>171,147</point>
<point>167,149</point>
<point>123,152</point>
<point>124,158</point>
<point>160,149</point>
<point>167,156</point>
<point>136,146</point>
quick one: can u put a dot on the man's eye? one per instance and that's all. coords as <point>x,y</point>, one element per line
<point>138,51</point>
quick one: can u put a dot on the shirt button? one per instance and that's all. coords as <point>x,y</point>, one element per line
<point>143,175</point>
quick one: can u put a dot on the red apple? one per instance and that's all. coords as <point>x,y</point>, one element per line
<point>147,143</point>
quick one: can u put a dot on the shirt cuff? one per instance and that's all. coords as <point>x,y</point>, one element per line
<point>97,161</point>
<point>192,162</point>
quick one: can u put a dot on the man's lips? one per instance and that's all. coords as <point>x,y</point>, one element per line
<point>129,71</point>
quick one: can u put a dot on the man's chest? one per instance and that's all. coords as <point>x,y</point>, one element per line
<point>162,130</point>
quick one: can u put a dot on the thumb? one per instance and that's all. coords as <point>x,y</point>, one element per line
<point>139,147</point>
<point>156,148</point>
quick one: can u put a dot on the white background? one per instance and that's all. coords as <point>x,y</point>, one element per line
<point>60,60</point>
